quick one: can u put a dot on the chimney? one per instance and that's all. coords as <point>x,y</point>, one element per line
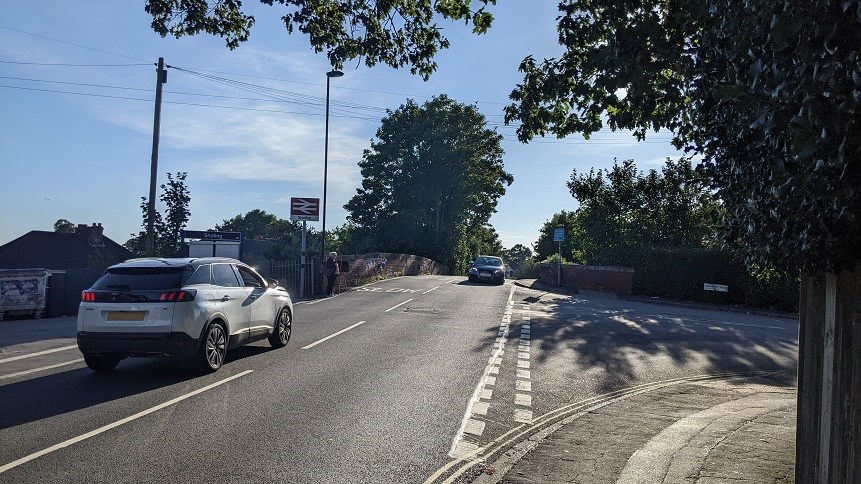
<point>95,235</point>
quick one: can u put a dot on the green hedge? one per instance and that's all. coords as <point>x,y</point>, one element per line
<point>679,273</point>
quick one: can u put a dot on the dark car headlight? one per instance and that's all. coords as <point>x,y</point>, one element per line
<point>473,270</point>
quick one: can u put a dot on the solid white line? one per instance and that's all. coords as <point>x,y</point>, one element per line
<point>399,305</point>
<point>38,353</point>
<point>27,372</point>
<point>429,290</point>
<point>118,423</point>
<point>332,335</point>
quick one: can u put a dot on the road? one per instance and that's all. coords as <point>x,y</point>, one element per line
<point>392,382</point>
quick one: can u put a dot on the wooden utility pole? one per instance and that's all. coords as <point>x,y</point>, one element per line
<point>828,436</point>
<point>161,78</point>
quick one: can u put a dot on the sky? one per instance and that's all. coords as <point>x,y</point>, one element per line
<point>77,90</point>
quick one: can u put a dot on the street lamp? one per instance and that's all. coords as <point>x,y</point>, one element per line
<point>329,76</point>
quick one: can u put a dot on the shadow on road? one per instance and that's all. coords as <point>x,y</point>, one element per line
<point>615,341</point>
<point>59,393</point>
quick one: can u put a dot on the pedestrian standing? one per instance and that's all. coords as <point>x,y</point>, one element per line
<point>331,271</point>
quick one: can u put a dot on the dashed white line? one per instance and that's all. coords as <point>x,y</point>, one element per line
<point>39,353</point>
<point>469,425</point>
<point>332,335</point>
<point>116,424</point>
<point>399,305</point>
<point>431,289</point>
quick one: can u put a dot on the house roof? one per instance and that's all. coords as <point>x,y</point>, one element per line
<point>58,251</point>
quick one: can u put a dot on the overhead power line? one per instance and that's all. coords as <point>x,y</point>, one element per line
<point>72,44</point>
<point>62,64</point>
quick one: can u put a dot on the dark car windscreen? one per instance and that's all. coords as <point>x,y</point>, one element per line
<point>141,279</point>
<point>487,261</point>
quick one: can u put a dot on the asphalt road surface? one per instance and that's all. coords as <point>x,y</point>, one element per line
<point>392,382</point>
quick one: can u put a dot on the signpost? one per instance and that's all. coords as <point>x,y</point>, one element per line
<point>559,236</point>
<point>304,209</point>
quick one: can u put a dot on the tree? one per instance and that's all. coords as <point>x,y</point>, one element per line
<point>398,33</point>
<point>517,255</point>
<point>176,196</point>
<point>572,246</point>
<point>431,181</point>
<point>768,93</point>
<point>284,237</point>
<point>622,207</point>
<point>64,226</point>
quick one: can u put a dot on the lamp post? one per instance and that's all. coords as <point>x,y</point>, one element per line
<point>329,76</point>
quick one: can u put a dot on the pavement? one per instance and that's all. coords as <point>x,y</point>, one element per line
<point>708,431</point>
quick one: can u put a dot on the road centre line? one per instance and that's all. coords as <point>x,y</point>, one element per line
<point>118,423</point>
<point>399,305</point>
<point>431,289</point>
<point>38,353</point>
<point>333,335</point>
<point>44,368</point>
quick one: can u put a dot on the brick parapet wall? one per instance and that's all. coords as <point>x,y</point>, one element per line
<point>619,280</point>
<point>384,265</point>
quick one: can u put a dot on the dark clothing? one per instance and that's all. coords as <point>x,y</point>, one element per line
<point>331,271</point>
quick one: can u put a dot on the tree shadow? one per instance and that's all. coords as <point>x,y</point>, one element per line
<point>613,339</point>
<point>68,391</point>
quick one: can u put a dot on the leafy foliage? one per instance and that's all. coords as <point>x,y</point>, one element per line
<point>64,226</point>
<point>768,92</point>
<point>176,196</point>
<point>283,237</point>
<point>572,247</point>
<point>623,207</point>
<point>431,181</point>
<point>397,33</point>
<point>516,256</point>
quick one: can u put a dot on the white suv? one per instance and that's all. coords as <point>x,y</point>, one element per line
<point>194,308</point>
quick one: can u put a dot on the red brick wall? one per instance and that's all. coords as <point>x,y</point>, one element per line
<point>595,278</point>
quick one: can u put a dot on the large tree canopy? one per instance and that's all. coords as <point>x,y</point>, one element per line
<point>768,91</point>
<point>397,33</point>
<point>431,181</point>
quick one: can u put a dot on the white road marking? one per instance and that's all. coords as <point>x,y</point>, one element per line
<point>480,408</point>
<point>523,416</point>
<point>485,394</point>
<point>523,355</point>
<point>44,368</point>
<point>118,423</point>
<point>523,364</point>
<point>332,335</point>
<point>399,305</point>
<point>525,374</point>
<point>458,446</point>
<point>474,427</point>
<point>524,386</point>
<point>432,289</point>
<point>491,381</point>
<point>39,353</point>
<point>523,399</point>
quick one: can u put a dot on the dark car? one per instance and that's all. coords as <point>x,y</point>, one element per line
<point>487,268</point>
